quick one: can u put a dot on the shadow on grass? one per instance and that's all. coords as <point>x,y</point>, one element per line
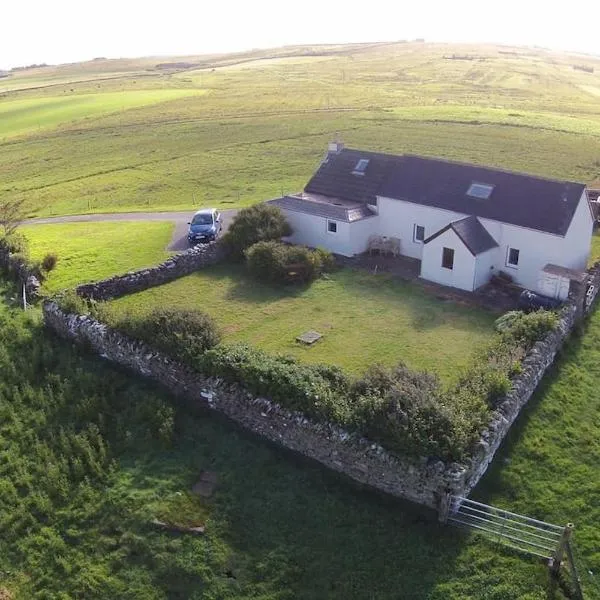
<point>427,312</point>
<point>298,531</point>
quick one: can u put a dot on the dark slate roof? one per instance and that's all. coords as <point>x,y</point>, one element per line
<point>334,177</point>
<point>472,234</point>
<point>322,209</point>
<point>524,200</point>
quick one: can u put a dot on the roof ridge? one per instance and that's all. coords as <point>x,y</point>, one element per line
<point>461,163</point>
<point>466,164</point>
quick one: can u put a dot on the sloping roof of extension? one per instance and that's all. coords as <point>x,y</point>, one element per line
<point>322,209</point>
<point>472,234</point>
<point>518,199</point>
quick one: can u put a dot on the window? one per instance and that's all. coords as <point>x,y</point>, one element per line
<point>448,258</point>
<point>480,190</point>
<point>512,258</point>
<point>361,166</point>
<point>419,233</point>
<point>331,226</point>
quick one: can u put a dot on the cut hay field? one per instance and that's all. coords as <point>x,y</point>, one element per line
<point>263,123</point>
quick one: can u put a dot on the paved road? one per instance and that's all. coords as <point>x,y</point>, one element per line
<point>178,241</point>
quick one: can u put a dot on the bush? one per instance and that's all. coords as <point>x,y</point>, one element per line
<point>276,262</point>
<point>49,262</point>
<point>259,223</point>
<point>183,334</point>
<point>15,243</point>
<point>70,302</point>
<point>526,328</point>
<point>315,390</point>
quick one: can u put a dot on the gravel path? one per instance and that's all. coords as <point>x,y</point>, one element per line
<point>178,241</point>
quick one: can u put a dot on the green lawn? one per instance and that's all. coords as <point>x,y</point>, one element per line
<point>363,318</point>
<point>93,251</point>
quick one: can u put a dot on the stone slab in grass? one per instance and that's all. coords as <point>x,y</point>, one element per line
<point>206,485</point>
<point>309,337</point>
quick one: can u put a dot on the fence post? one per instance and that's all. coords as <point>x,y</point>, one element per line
<point>561,548</point>
<point>443,506</point>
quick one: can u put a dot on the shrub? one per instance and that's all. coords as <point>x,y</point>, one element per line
<point>266,261</point>
<point>526,328</point>
<point>70,302</point>
<point>49,262</point>
<point>276,262</point>
<point>259,223</point>
<point>184,334</point>
<point>317,391</point>
<point>15,243</point>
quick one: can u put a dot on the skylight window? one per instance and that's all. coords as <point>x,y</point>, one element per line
<point>361,166</point>
<point>480,190</point>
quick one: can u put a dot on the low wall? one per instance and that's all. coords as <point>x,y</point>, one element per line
<point>21,269</point>
<point>424,481</point>
<point>173,268</point>
<point>366,462</point>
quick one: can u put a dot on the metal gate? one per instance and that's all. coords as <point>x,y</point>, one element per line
<point>516,531</point>
<point>525,534</point>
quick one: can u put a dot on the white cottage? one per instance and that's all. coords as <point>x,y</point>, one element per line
<point>463,222</point>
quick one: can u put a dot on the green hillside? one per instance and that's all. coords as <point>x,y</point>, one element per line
<point>234,130</point>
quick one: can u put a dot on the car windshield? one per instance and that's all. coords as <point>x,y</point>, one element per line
<point>202,219</point>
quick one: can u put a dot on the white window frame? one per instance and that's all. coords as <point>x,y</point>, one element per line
<point>415,239</point>
<point>361,167</point>
<point>477,187</point>
<point>508,263</point>
<point>336,227</point>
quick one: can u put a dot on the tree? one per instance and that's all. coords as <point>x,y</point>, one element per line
<point>12,214</point>
<point>259,223</point>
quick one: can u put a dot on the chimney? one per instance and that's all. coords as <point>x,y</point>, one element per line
<point>335,147</point>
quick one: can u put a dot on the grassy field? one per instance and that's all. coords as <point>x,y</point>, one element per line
<point>93,251</point>
<point>364,319</point>
<point>19,117</point>
<point>263,124</point>
<point>91,456</point>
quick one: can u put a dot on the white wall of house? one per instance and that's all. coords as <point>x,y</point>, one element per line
<point>537,249</point>
<point>310,230</point>
<point>462,274</point>
<point>398,218</point>
<point>360,231</point>
<point>484,267</point>
<point>579,235</point>
<point>348,240</point>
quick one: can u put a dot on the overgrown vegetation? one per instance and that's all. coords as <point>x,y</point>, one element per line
<point>184,334</point>
<point>259,223</point>
<point>274,262</point>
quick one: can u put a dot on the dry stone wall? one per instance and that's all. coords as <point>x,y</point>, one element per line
<point>425,481</point>
<point>366,462</point>
<point>185,263</point>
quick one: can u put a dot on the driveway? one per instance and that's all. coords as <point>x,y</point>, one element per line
<point>178,241</point>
